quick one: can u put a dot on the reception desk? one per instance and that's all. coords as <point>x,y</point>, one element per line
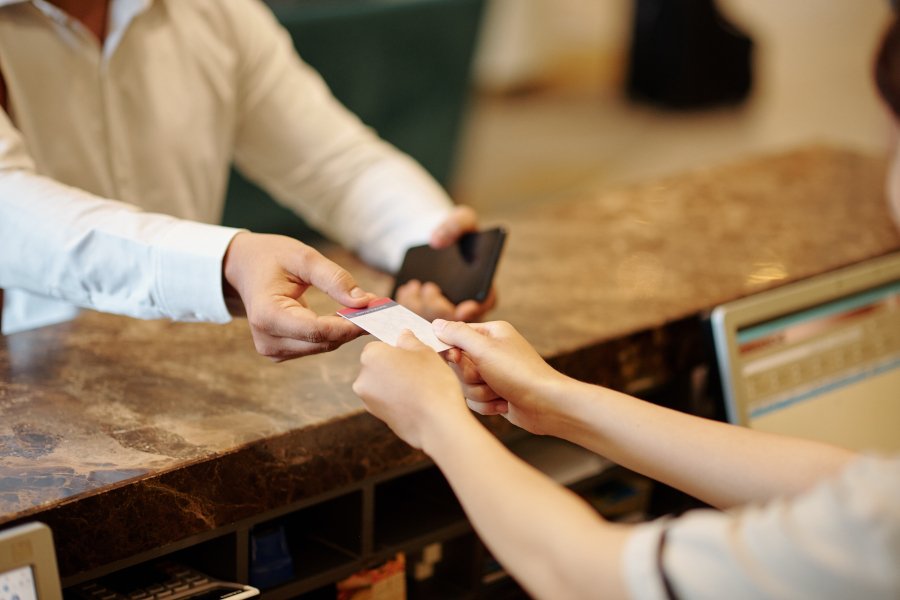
<point>140,439</point>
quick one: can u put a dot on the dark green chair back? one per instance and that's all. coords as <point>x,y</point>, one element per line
<point>403,66</point>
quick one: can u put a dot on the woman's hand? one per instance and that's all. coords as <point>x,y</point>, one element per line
<point>410,388</point>
<point>501,373</point>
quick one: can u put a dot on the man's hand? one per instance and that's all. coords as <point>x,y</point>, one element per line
<point>410,388</point>
<point>269,274</point>
<point>462,219</point>
<point>426,299</point>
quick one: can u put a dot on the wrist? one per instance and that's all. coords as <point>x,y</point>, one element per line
<point>231,263</point>
<point>557,395</point>
<point>447,430</point>
<point>230,293</point>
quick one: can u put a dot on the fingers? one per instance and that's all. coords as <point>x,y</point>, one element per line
<point>300,323</point>
<point>465,369</point>
<point>410,295</point>
<point>434,299</point>
<point>369,359</point>
<point>474,387</point>
<point>467,310</point>
<point>453,355</point>
<point>405,341</point>
<point>408,341</point>
<point>332,279</point>
<point>376,357</point>
<point>461,220</point>
<point>470,310</point>
<point>494,407</point>
<point>480,393</point>
<point>285,348</point>
<point>287,329</point>
<point>255,263</point>
<point>426,300</point>
<point>468,337</point>
<point>270,273</point>
<point>296,322</point>
<point>372,351</point>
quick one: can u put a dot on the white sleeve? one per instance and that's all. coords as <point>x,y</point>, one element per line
<point>61,242</point>
<point>295,140</point>
<point>839,540</point>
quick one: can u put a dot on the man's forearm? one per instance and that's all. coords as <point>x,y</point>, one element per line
<point>65,243</point>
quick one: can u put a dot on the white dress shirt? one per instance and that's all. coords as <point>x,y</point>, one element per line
<point>839,540</point>
<point>114,160</point>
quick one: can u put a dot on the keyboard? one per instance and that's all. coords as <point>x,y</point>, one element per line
<point>162,580</point>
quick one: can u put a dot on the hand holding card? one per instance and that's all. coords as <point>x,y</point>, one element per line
<point>386,320</point>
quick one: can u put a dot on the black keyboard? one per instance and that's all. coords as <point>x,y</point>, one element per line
<point>163,580</point>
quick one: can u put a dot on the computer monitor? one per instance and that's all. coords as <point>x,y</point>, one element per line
<point>818,358</point>
<point>28,564</point>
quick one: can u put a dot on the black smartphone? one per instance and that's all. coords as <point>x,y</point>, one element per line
<point>463,271</point>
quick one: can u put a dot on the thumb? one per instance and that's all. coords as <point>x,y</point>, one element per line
<point>461,335</point>
<point>407,340</point>
<point>335,281</point>
<point>462,219</point>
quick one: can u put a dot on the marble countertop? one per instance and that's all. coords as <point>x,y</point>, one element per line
<point>108,420</point>
<point>605,264</point>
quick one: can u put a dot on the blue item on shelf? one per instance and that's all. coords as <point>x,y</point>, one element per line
<point>271,563</point>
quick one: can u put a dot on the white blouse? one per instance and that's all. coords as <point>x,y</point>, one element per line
<point>840,539</point>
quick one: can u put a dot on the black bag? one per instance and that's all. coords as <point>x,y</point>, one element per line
<point>685,55</point>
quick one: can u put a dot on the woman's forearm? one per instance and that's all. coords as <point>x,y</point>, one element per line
<point>723,465</point>
<point>549,539</point>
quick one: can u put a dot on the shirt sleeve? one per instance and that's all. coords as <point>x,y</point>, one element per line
<point>298,142</point>
<point>61,242</point>
<point>839,540</point>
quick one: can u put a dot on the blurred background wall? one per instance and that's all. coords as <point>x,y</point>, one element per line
<point>512,102</point>
<point>550,112</point>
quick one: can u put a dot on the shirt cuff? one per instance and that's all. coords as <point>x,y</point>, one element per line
<point>189,271</point>
<point>640,562</point>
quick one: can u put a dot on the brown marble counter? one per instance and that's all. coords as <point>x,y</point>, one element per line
<point>603,265</point>
<point>108,421</point>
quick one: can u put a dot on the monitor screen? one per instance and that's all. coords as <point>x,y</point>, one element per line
<point>828,372</point>
<point>18,584</point>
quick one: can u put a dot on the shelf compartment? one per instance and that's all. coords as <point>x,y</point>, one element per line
<point>321,537</point>
<point>415,506</point>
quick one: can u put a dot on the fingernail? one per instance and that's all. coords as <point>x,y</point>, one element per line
<point>439,323</point>
<point>357,292</point>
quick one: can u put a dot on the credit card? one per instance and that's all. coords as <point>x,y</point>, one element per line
<point>386,320</point>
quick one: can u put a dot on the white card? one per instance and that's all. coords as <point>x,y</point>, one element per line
<point>386,320</point>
